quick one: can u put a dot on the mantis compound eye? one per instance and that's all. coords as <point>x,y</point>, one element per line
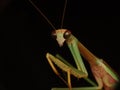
<point>67,34</point>
<point>54,35</point>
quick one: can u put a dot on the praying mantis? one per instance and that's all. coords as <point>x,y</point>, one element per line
<point>104,75</point>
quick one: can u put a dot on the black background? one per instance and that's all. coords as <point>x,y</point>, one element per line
<point>26,38</point>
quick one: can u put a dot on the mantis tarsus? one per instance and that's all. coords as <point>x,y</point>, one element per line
<point>106,78</point>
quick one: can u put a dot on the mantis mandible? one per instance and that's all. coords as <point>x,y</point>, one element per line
<point>104,75</point>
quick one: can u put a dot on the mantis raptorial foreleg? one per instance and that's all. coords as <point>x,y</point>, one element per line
<point>70,70</point>
<point>65,67</point>
<point>50,58</point>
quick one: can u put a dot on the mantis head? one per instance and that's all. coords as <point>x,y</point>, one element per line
<point>61,35</point>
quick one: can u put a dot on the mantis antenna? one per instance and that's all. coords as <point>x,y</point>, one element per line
<point>47,18</point>
<point>43,15</point>
<point>63,13</point>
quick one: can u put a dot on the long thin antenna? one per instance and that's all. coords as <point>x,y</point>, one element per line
<point>63,13</point>
<point>42,14</point>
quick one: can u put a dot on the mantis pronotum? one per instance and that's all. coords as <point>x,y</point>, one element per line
<point>106,78</point>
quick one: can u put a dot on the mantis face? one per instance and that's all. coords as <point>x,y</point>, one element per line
<point>61,35</point>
